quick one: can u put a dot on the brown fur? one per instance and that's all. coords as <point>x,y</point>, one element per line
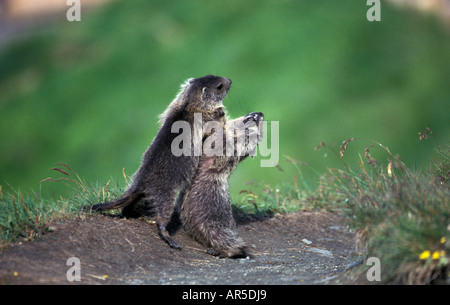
<point>206,209</point>
<point>163,176</point>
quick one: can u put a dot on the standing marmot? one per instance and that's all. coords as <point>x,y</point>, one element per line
<point>163,176</point>
<point>206,209</point>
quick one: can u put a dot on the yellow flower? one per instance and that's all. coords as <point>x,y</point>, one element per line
<point>442,240</point>
<point>435,255</point>
<point>424,255</point>
<point>15,273</point>
<point>389,169</point>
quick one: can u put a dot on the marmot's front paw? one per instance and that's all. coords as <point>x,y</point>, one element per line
<point>218,113</point>
<point>254,116</point>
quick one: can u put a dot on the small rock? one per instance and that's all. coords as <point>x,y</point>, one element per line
<point>306,241</point>
<point>321,252</point>
<point>338,228</point>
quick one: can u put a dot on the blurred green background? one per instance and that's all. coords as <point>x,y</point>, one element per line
<point>89,93</point>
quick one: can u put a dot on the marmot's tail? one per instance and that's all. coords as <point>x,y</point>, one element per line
<point>116,204</point>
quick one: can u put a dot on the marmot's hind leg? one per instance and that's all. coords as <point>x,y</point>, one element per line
<point>164,235</point>
<point>164,213</point>
<point>225,242</point>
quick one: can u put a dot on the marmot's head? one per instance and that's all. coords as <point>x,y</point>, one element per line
<point>198,95</point>
<point>208,92</point>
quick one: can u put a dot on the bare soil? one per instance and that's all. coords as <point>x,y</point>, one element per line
<point>297,248</point>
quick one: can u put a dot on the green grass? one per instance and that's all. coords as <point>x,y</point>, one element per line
<point>23,217</point>
<point>258,197</point>
<point>400,215</point>
<point>26,217</point>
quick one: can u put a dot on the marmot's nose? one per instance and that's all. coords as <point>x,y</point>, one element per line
<point>226,82</point>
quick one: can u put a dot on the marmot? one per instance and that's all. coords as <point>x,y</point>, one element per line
<point>206,209</point>
<point>162,177</point>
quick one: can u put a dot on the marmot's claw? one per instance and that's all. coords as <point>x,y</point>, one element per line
<point>254,116</point>
<point>173,244</point>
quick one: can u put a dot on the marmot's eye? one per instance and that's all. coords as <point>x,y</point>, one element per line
<point>219,87</point>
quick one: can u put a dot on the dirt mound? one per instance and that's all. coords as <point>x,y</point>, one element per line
<point>297,248</point>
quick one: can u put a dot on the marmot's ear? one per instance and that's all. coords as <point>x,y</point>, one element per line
<point>204,93</point>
